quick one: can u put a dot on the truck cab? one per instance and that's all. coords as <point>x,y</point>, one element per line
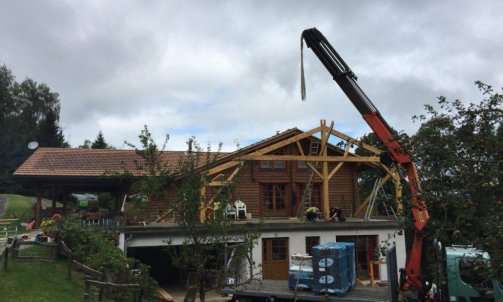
<point>469,277</point>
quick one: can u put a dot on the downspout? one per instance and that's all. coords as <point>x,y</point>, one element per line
<point>126,244</point>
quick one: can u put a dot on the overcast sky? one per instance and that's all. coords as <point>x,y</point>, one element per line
<point>229,71</point>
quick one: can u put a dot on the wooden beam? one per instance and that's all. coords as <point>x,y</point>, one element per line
<point>339,165</point>
<point>300,148</point>
<point>265,150</point>
<point>308,158</point>
<point>38,209</point>
<point>354,141</point>
<point>324,172</point>
<point>324,142</point>
<point>360,207</point>
<point>202,206</point>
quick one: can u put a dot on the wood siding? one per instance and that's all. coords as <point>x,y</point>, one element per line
<point>343,188</point>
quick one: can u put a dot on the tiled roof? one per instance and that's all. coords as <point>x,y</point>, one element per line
<point>68,162</point>
<point>87,162</point>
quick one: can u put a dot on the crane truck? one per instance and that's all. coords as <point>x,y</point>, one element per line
<point>458,279</point>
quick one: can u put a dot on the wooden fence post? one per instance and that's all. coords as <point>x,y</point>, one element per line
<point>86,292</point>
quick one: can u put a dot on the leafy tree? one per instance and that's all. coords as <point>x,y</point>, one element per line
<point>206,242</point>
<point>30,111</point>
<point>156,174</point>
<point>460,152</point>
<point>368,177</point>
<point>86,145</point>
<point>6,99</point>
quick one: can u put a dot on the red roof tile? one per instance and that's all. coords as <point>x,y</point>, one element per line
<point>88,162</point>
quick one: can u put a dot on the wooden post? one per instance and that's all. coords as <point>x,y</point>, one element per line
<point>324,173</point>
<point>38,209</point>
<point>86,292</point>
<point>202,205</point>
<point>53,205</point>
<point>70,266</point>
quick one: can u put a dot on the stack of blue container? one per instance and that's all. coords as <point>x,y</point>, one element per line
<point>333,268</point>
<point>300,274</point>
<point>350,253</point>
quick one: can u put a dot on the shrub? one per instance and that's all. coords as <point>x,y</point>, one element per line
<point>97,250</point>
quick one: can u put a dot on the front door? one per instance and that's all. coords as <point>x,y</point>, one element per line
<point>275,258</point>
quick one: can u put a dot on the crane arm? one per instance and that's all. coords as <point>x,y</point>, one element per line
<point>346,80</point>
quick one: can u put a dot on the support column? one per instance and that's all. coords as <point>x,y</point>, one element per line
<point>38,209</point>
<point>53,205</point>
<point>324,173</point>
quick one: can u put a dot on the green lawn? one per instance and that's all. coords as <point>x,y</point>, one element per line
<point>38,280</point>
<point>20,206</point>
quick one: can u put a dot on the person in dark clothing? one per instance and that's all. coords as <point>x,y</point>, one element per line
<point>336,213</point>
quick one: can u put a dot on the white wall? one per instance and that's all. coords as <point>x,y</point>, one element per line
<point>297,243</point>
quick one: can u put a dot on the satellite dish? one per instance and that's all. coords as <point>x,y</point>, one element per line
<point>33,145</point>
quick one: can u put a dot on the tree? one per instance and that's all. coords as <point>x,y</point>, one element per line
<point>459,149</point>
<point>368,177</point>
<point>49,133</point>
<point>99,142</point>
<point>30,111</point>
<point>6,99</point>
<point>86,145</point>
<point>206,242</point>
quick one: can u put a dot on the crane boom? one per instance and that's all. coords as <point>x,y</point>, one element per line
<point>346,80</point>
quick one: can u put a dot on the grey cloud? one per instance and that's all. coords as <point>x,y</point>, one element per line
<point>226,70</point>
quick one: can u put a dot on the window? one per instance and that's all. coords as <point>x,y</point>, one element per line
<point>301,165</point>
<point>475,272</point>
<point>273,164</point>
<point>310,242</point>
<point>273,196</point>
<point>279,249</point>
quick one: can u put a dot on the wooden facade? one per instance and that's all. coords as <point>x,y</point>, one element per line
<point>270,176</point>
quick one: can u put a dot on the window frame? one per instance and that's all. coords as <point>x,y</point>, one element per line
<point>274,210</point>
<point>271,165</point>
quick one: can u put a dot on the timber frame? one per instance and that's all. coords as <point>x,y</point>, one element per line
<point>218,179</point>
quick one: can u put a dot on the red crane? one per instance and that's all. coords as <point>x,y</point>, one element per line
<point>346,79</point>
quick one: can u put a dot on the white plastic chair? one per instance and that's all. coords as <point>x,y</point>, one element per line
<point>231,211</point>
<point>240,207</point>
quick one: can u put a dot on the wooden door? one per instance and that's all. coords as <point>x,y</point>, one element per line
<point>275,258</point>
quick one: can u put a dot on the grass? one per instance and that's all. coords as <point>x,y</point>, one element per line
<point>39,280</point>
<point>20,206</point>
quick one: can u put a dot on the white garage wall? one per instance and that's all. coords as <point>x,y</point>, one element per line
<point>297,243</point>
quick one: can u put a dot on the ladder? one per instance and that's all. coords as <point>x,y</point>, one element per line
<point>305,203</point>
<point>372,201</point>
<point>389,209</point>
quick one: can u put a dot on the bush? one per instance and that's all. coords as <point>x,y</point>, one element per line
<point>97,250</point>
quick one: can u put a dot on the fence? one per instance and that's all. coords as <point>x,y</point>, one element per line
<point>14,248</point>
<point>8,229</point>
<point>102,223</point>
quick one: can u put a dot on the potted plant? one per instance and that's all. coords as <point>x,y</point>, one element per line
<point>50,227</point>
